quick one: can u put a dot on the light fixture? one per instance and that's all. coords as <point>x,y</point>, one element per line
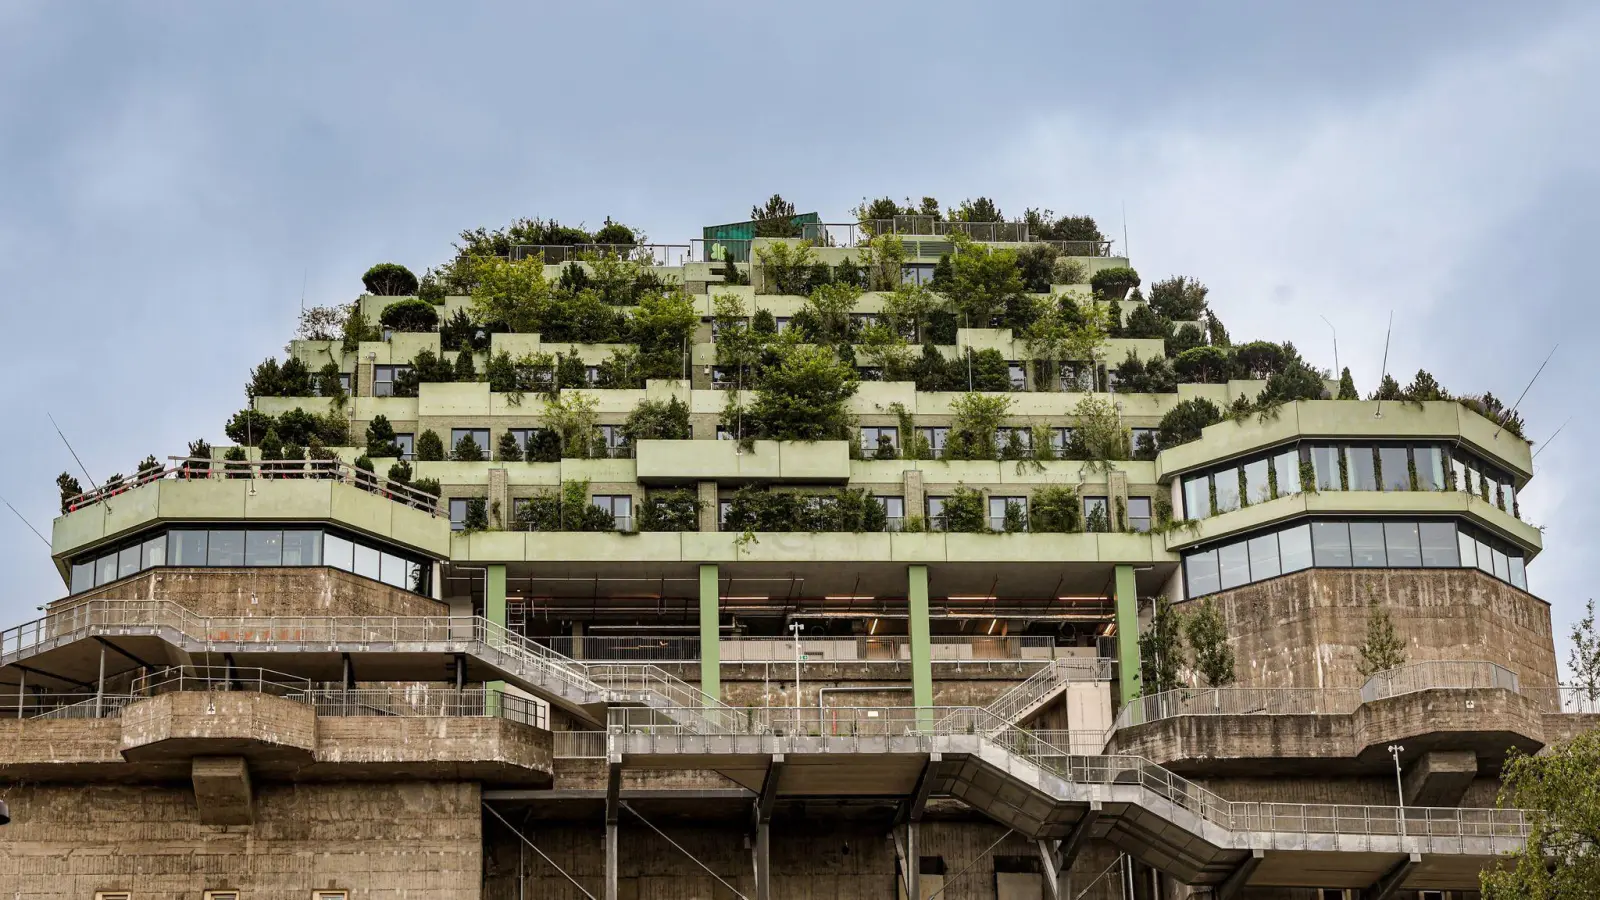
<point>849,597</point>
<point>874,628</point>
<point>992,624</point>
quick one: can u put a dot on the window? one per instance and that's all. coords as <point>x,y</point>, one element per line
<point>1256,488</point>
<point>916,273</point>
<point>394,570</point>
<point>330,895</point>
<point>1077,377</point>
<point>1429,462</point>
<point>302,548</point>
<point>1366,545</point>
<point>369,562</point>
<point>1226,482</point>
<point>1468,549</point>
<point>407,443</point>
<point>226,548</point>
<point>1396,465</point>
<point>1019,375</point>
<point>1439,545</point>
<point>383,379</point>
<point>880,440</point>
<point>612,438</point>
<point>1233,564</point>
<point>1361,468</point>
<point>591,375</point>
<point>1197,496</point>
<point>82,577</point>
<point>154,552</point>
<point>782,324</point>
<point>113,895</point>
<point>619,505</point>
<point>1139,514</point>
<point>723,434</point>
<point>1096,514</point>
<point>997,511</point>
<point>1059,439</point>
<point>263,548</point>
<point>1463,471</point>
<point>1286,466</point>
<point>722,378</point>
<point>105,569</point>
<point>480,436</point>
<point>1294,548</point>
<point>1519,575</point>
<point>1023,436</point>
<point>936,438</point>
<point>1330,544</point>
<point>1325,466</point>
<point>128,561</point>
<point>458,513</point>
<point>1264,561</point>
<point>1144,436</point>
<point>339,553</point>
<point>221,895</point>
<point>894,512</point>
<point>870,373</point>
<point>1402,545</point>
<point>936,521</point>
<point>723,508</point>
<point>1200,571</point>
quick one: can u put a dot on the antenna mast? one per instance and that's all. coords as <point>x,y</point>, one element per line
<point>1525,390</point>
<point>1385,373</point>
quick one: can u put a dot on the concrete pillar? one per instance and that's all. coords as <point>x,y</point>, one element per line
<point>363,377</point>
<point>708,506</point>
<point>1127,618</point>
<point>914,859</point>
<point>921,651</point>
<point>1117,499</point>
<point>710,634</point>
<point>611,861</point>
<point>222,792</point>
<point>763,859</point>
<point>915,493</point>
<point>577,640</point>
<point>100,685</point>
<point>494,610</point>
<point>499,496</point>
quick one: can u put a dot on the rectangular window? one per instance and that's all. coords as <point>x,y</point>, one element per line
<point>1227,485</point>
<point>186,548</point>
<point>880,440</point>
<point>1145,435</point>
<point>1200,571</point>
<point>613,440</point>
<point>870,373</point>
<point>936,513</point>
<point>1286,466</point>
<point>1325,466</point>
<point>113,895</point>
<point>1023,437</point>
<point>1366,545</point>
<point>723,508</point>
<point>1139,514</point>
<point>1468,548</point>
<point>392,570</point>
<point>480,436</point>
<point>105,569</point>
<point>1059,439</point>
<point>1362,469</point>
<point>936,438</point>
<point>1519,574</point>
<point>1458,464</point>
<point>1396,465</point>
<point>1402,545</point>
<point>1485,558</point>
<point>82,577</point>
<point>263,548</point>
<point>1096,514</point>
<point>782,323</point>
<point>1233,564</point>
<point>369,562</point>
<point>458,513</point>
<point>128,561</point>
<point>221,895</point>
<point>226,548</point>
<point>619,505</point>
<point>1502,569</point>
<point>1197,497</point>
<point>302,548</point>
<point>722,378</point>
<point>1264,562</point>
<point>916,273</point>
<point>407,443</point>
<point>997,511</point>
<point>1330,544</point>
<point>1256,489</point>
<point>1294,548</point>
<point>1430,468</point>
<point>1439,545</point>
<point>330,895</point>
<point>383,378</point>
<point>339,553</point>
<point>894,512</point>
<point>1019,375</point>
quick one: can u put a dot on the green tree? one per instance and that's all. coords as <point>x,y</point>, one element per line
<point>467,450</point>
<point>974,420</point>
<point>69,488</point>
<point>1347,386</point>
<point>390,280</point>
<point>1561,857</point>
<point>1583,661</point>
<point>1180,299</point>
<point>465,369</point>
<point>804,397</point>
<point>1184,421</point>
<point>381,438</point>
<point>1099,436</point>
<point>775,218</point>
<point>410,315</point>
<point>1383,649</point>
<point>507,449</point>
<point>657,420</point>
<point>513,294</point>
<point>429,447</point>
<point>983,282</point>
<point>1161,649</point>
<point>1208,636</point>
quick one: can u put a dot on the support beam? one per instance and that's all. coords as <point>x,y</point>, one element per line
<point>906,838</point>
<point>769,790</point>
<point>1234,885</point>
<point>22,668</point>
<point>494,609</point>
<point>124,653</point>
<point>1440,777</point>
<point>710,635</point>
<point>911,809</point>
<point>613,812</point>
<point>222,791</point>
<point>1127,617</point>
<point>1058,856</point>
<point>921,640</point>
<point>762,813</point>
<point>100,685</point>
<point>1384,888</point>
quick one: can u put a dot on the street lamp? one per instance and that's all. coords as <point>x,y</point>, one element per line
<point>796,628</point>
<point>1335,341</point>
<point>1400,789</point>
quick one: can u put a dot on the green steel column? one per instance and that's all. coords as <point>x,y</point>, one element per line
<point>921,653</point>
<point>494,610</point>
<point>1128,682</point>
<point>710,635</point>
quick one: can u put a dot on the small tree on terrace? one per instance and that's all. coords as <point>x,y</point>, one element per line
<point>1584,661</point>
<point>1383,649</point>
<point>1161,649</point>
<point>390,280</point>
<point>1208,635</point>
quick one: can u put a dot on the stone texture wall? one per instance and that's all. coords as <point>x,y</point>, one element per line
<point>376,840</point>
<point>269,592</point>
<point>1305,630</point>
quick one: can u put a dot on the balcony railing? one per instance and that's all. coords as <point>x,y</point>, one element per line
<point>859,649</point>
<point>648,254</point>
<point>180,468</point>
<point>1438,674</point>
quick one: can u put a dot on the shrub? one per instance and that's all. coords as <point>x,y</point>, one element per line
<point>431,288</point>
<point>1066,270</point>
<point>247,427</point>
<point>1183,422</point>
<point>507,450</point>
<point>459,332</point>
<point>804,397</point>
<point>327,381</point>
<point>1114,282</point>
<point>477,518</point>
<point>410,315</point>
<point>1204,365</point>
<point>465,369</point>
<point>390,280</point>
<point>69,488</point>
<point>1186,338</point>
<point>964,511</point>
<point>674,510</point>
<point>974,420</point>
<point>1179,299</point>
<point>541,512</point>
<point>657,420</point>
<point>1145,322</point>
<point>429,447</point>
<point>428,486</point>
<point>381,437</point>
<point>467,450</point>
<point>1054,509</point>
<point>401,472</point>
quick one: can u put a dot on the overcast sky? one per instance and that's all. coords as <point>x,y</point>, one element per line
<point>170,175</point>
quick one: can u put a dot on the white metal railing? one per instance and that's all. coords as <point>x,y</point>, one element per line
<point>180,468</point>
<point>579,745</point>
<point>1013,704</point>
<point>648,254</point>
<point>424,701</point>
<point>1231,701</point>
<point>1438,674</point>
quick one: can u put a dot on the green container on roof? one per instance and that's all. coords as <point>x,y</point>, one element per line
<point>732,241</point>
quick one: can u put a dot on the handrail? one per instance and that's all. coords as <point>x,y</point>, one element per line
<point>183,468</point>
<point>1013,703</point>
<point>556,254</point>
<point>1438,674</point>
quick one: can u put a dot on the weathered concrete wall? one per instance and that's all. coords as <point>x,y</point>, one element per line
<point>1305,630</point>
<point>268,592</point>
<point>375,840</point>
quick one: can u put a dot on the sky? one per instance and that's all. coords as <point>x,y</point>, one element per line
<point>175,178</point>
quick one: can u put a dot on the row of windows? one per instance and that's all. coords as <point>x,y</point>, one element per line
<point>938,436</point>
<point>619,505</point>
<point>1095,509</point>
<point>1358,544</point>
<point>1336,467</point>
<point>236,547</point>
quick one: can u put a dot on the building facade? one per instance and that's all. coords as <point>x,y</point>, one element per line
<point>523,622</point>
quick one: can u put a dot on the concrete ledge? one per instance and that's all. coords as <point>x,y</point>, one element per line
<point>213,723</point>
<point>473,748</point>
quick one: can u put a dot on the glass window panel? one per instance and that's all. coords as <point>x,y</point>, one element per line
<point>1510,497</point>
<point>1485,558</point>
<point>82,577</point>
<point>1264,561</point>
<point>1366,544</point>
<point>1197,497</point>
<point>1402,544</point>
<point>392,570</point>
<point>105,570</point>
<point>1469,550</point>
<point>128,561</point>
<point>1430,468</point>
<point>1139,513</point>
<point>1325,464</point>
<point>263,548</point>
<point>1287,467</point>
<point>1330,543</point>
<point>1360,467</point>
<point>1519,574</point>
<point>1256,489</point>
<point>338,552</point>
<point>1501,570</point>
<point>1463,474</point>
<point>1233,564</point>
<point>1439,545</point>
<point>1396,468</point>
<point>154,552</point>
<point>226,548</point>
<point>417,576</point>
<point>1294,548</point>
<point>1227,484</point>
<point>302,548</point>
<point>186,548</point>
<point>1200,571</point>
<point>368,562</point>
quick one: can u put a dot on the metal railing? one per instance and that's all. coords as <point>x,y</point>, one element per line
<point>579,745</point>
<point>648,254</point>
<point>423,701</point>
<point>1237,702</point>
<point>65,706</point>
<point>217,678</point>
<point>1438,674</point>
<point>180,468</point>
<point>928,226</point>
<point>1045,683</point>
